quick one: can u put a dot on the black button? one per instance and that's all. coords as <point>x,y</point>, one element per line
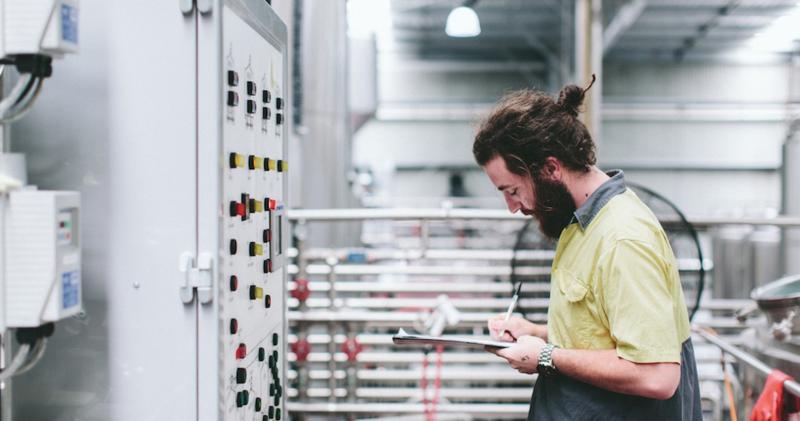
<point>275,339</point>
<point>252,292</point>
<point>280,165</point>
<point>271,362</point>
<point>266,113</point>
<point>275,356</point>
<point>279,103</point>
<point>233,246</point>
<point>266,236</point>
<point>233,98</point>
<point>277,402</point>
<point>267,301</point>
<point>271,411</point>
<point>235,284</point>
<point>267,266</point>
<point>264,418</point>
<point>262,353</point>
<point>279,391</point>
<point>266,97</point>
<point>241,375</point>
<point>234,208</point>
<point>233,78</point>
<point>266,168</point>
<point>251,88</point>
<point>252,248</point>
<point>258,404</point>
<point>234,326</point>
<point>251,162</point>
<point>278,118</point>
<point>232,160</point>
<point>277,413</point>
<point>241,399</point>
<point>272,390</point>
<point>251,106</point>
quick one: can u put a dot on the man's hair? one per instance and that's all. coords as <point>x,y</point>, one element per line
<point>527,127</point>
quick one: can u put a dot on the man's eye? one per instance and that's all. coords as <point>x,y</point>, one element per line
<point>513,192</point>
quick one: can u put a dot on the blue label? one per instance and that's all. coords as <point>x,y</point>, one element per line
<point>69,23</point>
<point>70,289</point>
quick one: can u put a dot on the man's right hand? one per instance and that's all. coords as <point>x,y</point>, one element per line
<point>513,328</point>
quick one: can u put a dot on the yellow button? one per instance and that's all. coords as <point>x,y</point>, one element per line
<point>259,250</point>
<point>272,164</point>
<point>259,292</point>
<point>259,206</point>
<point>259,162</point>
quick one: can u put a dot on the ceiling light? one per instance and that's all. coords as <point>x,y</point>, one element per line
<point>462,23</point>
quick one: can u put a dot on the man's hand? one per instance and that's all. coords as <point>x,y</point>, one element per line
<point>513,328</point>
<point>523,355</point>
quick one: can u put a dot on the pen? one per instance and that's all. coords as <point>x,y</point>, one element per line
<point>513,305</point>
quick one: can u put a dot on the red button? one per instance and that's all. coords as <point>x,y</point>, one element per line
<point>241,352</point>
<point>234,326</point>
<point>273,204</point>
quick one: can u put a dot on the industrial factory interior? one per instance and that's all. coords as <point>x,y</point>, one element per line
<point>312,210</point>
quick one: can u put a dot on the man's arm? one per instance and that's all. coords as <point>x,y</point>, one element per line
<point>601,368</point>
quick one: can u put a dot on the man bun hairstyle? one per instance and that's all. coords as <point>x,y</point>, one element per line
<point>571,97</point>
<point>526,127</point>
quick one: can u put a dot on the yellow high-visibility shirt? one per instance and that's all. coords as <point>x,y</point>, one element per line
<point>615,283</point>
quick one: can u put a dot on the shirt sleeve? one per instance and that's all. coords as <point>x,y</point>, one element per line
<point>634,291</point>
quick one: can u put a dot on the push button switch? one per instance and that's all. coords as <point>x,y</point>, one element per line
<point>234,327</point>
<point>235,160</point>
<point>251,106</point>
<point>256,249</point>
<point>251,88</point>
<point>233,99</point>
<point>279,118</point>
<point>266,113</point>
<point>256,292</point>
<point>233,247</point>
<point>241,352</point>
<point>234,283</point>
<point>262,353</point>
<point>242,398</point>
<point>266,96</point>
<point>233,78</point>
<point>241,375</point>
<point>279,103</point>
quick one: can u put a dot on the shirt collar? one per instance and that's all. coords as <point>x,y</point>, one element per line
<point>612,187</point>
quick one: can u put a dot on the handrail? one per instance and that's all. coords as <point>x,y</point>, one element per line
<point>790,385</point>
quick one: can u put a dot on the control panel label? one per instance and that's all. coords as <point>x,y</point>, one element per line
<point>70,289</point>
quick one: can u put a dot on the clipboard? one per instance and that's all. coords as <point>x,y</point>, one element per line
<point>404,338</point>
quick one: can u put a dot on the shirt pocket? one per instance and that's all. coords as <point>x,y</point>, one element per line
<point>572,288</point>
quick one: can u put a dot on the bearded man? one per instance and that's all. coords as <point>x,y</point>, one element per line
<point>617,341</point>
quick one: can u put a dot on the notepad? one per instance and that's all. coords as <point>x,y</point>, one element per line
<point>404,338</point>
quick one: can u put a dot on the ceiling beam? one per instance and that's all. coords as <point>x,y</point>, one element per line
<point>623,20</point>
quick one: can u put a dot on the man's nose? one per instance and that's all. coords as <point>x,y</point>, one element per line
<point>513,205</point>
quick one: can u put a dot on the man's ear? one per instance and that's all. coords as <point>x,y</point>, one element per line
<point>552,169</point>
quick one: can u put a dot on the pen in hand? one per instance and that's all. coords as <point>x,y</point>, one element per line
<point>511,307</point>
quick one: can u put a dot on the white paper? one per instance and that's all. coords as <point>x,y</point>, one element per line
<point>404,338</point>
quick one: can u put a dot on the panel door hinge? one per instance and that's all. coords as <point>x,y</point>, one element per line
<point>186,6</point>
<point>197,276</point>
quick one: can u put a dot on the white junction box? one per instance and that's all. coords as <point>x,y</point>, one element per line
<point>42,257</point>
<point>38,27</point>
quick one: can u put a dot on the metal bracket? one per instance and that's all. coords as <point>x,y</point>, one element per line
<point>197,277</point>
<point>186,6</point>
<point>205,6</point>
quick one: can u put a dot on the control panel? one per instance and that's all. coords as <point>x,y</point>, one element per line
<point>252,262</point>
<point>42,258</point>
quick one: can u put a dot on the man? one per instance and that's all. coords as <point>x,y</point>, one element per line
<point>616,345</point>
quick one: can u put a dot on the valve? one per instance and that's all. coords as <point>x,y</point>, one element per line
<point>301,349</point>
<point>301,291</point>
<point>351,347</point>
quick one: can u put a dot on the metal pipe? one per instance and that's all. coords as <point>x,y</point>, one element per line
<point>790,385</point>
<point>331,215</point>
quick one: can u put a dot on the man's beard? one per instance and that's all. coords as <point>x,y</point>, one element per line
<point>553,207</point>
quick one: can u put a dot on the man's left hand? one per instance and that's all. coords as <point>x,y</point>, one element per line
<point>523,355</point>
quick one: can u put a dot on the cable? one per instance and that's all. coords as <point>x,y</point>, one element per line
<point>16,363</point>
<point>19,111</point>
<point>37,354</point>
<point>16,93</point>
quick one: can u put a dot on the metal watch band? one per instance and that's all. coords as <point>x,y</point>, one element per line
<point>546,366</point>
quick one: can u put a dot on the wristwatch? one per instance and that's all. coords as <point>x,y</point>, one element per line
<point>546,366</point>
